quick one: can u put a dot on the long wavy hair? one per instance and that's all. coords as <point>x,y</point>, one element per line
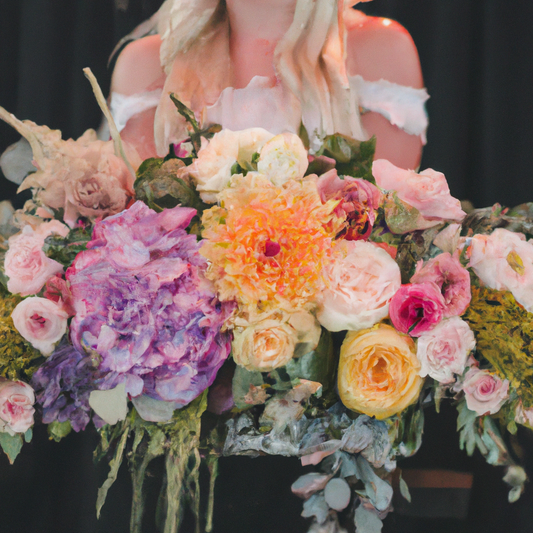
<point>309,62</point>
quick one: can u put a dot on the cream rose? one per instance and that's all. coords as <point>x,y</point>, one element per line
<point>273,341</point>
<point>41,322</point>
<point>361,283</point>
<point>378,371</point>
<point>212,169</point>
<point>443,350</point>
<point>283,158</point>
<point>26,265</point>
<point>16,406</point>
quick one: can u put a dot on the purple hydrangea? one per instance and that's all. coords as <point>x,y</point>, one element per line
<point>143,304</point>
<point>63,385</point>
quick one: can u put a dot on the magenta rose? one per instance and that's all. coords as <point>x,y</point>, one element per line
<point>451,277</point>
<point>416,307</point>
<point>16,406</point>
<point>485,393</point>
<point>358,200</point>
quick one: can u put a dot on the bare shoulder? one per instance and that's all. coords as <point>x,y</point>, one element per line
<point>138,67</point>
<point>380,48</point>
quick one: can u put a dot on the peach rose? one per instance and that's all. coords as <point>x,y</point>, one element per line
<point>428,192</point>
<point>16,406</point>
<point>361,284</point>
<point>378,372</point>
<point>26,265</point>
<point>41,322</point>
<point>273,341</point>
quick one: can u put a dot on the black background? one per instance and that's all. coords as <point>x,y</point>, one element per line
<point>477,61</point>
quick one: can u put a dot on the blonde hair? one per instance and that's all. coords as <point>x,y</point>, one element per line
<point>309,62</point>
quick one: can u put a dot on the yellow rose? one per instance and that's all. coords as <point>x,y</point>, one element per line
<point>378,371</point>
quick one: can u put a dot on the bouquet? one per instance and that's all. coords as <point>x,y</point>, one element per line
<point>244,296</point>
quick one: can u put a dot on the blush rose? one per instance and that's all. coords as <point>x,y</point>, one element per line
<point>484,392</point>
<point>41,322</point>
<point>443,351</point>
<point>361,285</point>
<point>16,406</point>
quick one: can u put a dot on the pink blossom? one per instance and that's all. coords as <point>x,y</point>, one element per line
<point>451,277</point>
<point>485,393</point>
<point>503,260</point>
<point>16,406</point>
<point>416,308</point>
<point>428,192</point>
<point>443,351</point>
<point>26,265</point>
<point>41,322</point>
<point>358,200</point>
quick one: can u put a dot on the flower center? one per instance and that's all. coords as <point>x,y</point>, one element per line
<point>272,248</point>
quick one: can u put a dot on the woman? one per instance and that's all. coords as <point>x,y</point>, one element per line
<point>275,64</point>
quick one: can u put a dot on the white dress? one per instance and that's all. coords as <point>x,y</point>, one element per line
<point>261,104</point>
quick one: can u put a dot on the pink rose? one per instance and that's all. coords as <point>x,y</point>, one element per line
<point>443,351</point>
<point>16,406</point>
<point>503,260</point>
<point>416,308</point>
<point>428,192</point>
<point>361,283</point>
<point>41,322</point>
<point>451,277</point>
<point>26,265</point>
<point>358,200</point>
<point>485,393</point>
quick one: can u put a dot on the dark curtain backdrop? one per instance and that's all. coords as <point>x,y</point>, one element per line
<point>477,59</point>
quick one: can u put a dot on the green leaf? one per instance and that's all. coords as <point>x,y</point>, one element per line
<point>318,365</point>
<point>114,465</point>
<point>404,489</point>
<point>65,249</point>
<point>11,444</point>
<point>354,158</point>
<point>243,381</point>
<point>410,429</point>
<point>58,430</point>
<point>28,435</point>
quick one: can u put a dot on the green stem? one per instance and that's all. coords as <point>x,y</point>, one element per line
<point>212,464</point>
<point>137,504</point>
<point>175,467</point>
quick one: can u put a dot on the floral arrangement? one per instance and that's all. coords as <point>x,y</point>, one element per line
<point>245,296</point>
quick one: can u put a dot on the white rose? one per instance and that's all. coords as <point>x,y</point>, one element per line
<point>503,260</point>
<point>283,158</point>
<point>41,322</point>
<point>361,283</point>
<point>443,351</point>
<point>212,169</point>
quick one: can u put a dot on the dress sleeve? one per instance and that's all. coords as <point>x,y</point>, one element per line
<point>402,106</point>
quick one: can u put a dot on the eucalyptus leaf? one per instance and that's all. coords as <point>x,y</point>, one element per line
<point>366,521</point>
<point>404,489</point>
<point>316,506</point>
<point>378,491</point>
<point>11,444</point>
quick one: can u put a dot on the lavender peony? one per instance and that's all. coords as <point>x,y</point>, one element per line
<point>143,304</point>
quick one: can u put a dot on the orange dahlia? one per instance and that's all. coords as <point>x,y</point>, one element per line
<point>268,246</point>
